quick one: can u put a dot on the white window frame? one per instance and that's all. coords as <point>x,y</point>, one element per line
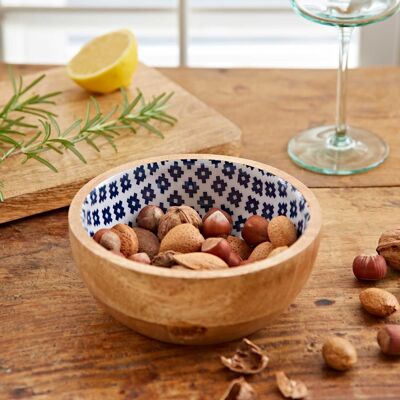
<point>379,43</point>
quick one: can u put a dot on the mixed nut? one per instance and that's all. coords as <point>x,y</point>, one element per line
<point>250,359</point>
<point>181,239</point>
<point>380,302</point>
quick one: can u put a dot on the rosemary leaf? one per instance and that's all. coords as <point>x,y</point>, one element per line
<point>48,136</point>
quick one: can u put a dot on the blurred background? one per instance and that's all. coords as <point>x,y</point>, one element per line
<point>194,33</point>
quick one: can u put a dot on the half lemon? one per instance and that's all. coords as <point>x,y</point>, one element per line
<point>106,63</point>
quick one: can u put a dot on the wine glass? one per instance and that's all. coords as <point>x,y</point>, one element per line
<point>340,149</point>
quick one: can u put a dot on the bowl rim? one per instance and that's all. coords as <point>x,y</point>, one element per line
<point>307,238</point>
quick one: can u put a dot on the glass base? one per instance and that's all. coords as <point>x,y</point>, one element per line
<point>320,150</point>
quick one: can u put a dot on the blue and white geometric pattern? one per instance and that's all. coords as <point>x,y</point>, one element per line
<point>239,189</point>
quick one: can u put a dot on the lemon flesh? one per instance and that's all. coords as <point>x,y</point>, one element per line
<point>106,63</point>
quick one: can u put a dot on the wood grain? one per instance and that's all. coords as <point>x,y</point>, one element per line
<point>194,307</point>
<point>271,106</point>
<point>199,129</point>
<point>56,343</point>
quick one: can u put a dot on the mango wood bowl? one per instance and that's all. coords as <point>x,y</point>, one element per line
<point>194,307</point>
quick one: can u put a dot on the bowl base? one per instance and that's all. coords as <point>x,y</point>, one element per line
<point>187,334</point>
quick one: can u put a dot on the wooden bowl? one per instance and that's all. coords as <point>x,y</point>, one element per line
<point>194,307</point>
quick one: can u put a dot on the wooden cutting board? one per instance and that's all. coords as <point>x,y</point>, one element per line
<point>32,188</point>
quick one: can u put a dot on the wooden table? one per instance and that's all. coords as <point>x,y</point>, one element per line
<point>56,344</point>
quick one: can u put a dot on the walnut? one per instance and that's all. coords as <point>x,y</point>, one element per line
<point>248,359</point>
<point>176,216</point>
<point>389,247</point>
<point>239,389</point>
<point>290,389</point>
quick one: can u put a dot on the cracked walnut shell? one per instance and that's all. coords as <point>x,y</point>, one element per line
<point>176,216</point>
<point>239,389</point>
<point>389,247</point>
<point>290,389</point>
<point>248,359</point>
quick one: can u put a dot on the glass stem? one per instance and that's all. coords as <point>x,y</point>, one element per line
<point>341,97</point>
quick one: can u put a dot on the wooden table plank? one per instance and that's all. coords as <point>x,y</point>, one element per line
<point>56,343</point>
<point>270,106</point>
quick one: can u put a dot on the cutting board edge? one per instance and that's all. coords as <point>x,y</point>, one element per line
<point>22,206</point>
<point>45,199</point>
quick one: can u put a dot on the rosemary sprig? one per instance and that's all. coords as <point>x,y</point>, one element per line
<point>46,134</point>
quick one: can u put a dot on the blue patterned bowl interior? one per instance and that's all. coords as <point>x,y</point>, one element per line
<point>239,189</point>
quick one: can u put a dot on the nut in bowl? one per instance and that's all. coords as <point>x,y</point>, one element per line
<point>189,306</point>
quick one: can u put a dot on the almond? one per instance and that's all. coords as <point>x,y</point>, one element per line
<point>183,238</point>
<point>379,302</point>
<point>239,246</point>
<point>148,242</point>
<point>181,267</point>
<point>129,240</point>
<point>339,353</point>
<point>277,251</point>
<point>199,261</point>
<point>261,251</point>
<point>281,231</point>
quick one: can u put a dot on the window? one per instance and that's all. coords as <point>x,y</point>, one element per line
<point>220,33</point>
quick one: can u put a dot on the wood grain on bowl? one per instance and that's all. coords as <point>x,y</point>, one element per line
<point>194,307</point>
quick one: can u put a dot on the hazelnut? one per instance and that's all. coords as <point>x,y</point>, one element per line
<point>389,247</point>
<point>261,252</point>
<point>176,216</point>
<point>233,260</point>
<point>369,268</point>
<point>148,242</point>
<point>149,217</point>
<point>239,246</point>
<point>110,241</point>
<point>281,231</point>
<point>213,209</point>
<point>129,240</point>
<point>97,236</point>
<point>164,259</point>
<point>255,230</point>
<point>389,339</point>
<point>339,353</point>
<point>217,246</point>
<point>217,223</point>
<point>141,258</point>
<point>379,302</point>
<point>183,238</point>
